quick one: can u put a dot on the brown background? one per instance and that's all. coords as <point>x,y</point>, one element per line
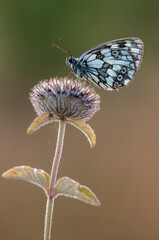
<point>123,168</point>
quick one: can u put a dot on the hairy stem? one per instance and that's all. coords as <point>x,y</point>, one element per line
<point>53,177</point>
<point>48,218</point>
<point>58,153</point>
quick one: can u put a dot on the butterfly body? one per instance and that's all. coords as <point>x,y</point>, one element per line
<point>109,65</point>
<point>78,68</point>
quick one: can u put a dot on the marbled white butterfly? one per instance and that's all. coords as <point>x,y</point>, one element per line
<point>109,65</point>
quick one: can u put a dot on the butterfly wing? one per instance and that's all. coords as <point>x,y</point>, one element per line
<point>113,64</point>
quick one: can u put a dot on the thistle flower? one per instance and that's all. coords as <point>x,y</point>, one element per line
<point>65,98</point>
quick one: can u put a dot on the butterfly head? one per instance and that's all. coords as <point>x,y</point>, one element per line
<point>70,61</point>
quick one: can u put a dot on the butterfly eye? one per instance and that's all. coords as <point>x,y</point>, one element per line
<point>120,77</point>
<point>115,53</point>
<point>69,61</point>
<point>116,84</point>
<point>123,70</point>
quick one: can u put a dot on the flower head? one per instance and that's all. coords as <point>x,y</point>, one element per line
<point>65,98</point>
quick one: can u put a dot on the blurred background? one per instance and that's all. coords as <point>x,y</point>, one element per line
<point>123,168</point>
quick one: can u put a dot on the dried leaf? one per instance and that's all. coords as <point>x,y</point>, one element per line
<point>67,187</point>
<point>40,121</point>
<point>86,129</point>
<point>33,175</point>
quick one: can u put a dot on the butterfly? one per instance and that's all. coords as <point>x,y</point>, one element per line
<point>109,65</point>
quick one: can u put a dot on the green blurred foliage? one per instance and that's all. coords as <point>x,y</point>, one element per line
<point>28,29</point>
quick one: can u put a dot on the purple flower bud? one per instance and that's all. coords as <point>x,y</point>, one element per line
<point>66,98</point>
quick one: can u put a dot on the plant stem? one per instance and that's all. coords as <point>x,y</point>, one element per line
<point>48,218</point>
<point>58,153</point>
<point>53,177</point>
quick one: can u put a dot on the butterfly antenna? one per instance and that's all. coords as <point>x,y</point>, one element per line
<point>55,45</point>
<point>65,46</point>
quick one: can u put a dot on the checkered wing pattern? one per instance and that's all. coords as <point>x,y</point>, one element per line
<point>112,64</point>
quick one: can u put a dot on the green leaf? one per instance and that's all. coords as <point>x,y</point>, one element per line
<point>86,129</point>
<point>67,187</point>
<point>40,121</point>
<point>33,175</point>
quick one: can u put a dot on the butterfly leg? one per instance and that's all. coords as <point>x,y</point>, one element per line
<point>69,72</point>
<point>87,83</point>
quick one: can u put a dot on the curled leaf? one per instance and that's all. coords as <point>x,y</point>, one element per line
<point>40,121</point>
<point>33,175</point>
<point>67,187</point>
<point>86,129</point>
